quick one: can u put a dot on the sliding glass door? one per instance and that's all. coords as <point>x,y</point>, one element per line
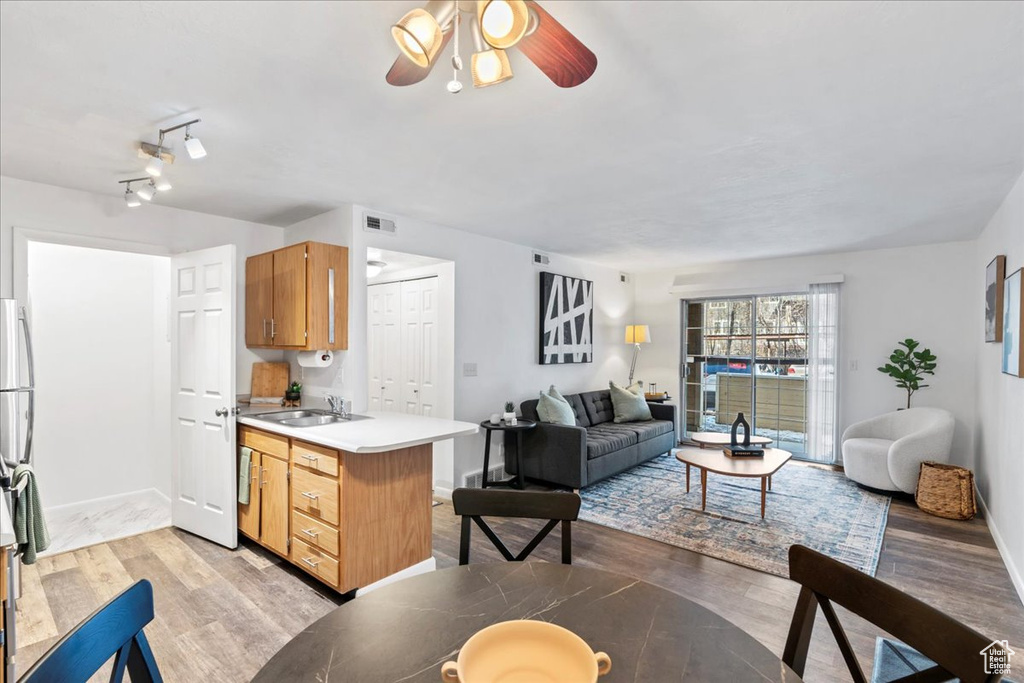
<point>749,355</point>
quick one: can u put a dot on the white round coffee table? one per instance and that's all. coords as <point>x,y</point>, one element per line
<point>714,460</point>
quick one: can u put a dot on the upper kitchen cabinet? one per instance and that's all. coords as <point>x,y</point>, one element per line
<point>297,297</point>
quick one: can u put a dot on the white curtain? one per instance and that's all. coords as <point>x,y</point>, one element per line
<point>823,373</point>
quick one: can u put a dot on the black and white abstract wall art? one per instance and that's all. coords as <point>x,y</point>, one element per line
<point>566,319</point>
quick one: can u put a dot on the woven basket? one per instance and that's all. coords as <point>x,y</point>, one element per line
<point>946,491</point>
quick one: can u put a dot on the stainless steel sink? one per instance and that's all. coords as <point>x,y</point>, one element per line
<point>306,417</point>
<point>284,415</point>
<point>312,420</point>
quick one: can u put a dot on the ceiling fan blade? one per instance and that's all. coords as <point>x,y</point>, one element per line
<point>556,52</point>
<point>404,72</point>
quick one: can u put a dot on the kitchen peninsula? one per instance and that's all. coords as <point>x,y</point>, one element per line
<point>348,502</point>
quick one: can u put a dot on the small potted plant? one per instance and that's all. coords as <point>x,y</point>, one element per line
<point>510,413</point>
<point>293,394</point>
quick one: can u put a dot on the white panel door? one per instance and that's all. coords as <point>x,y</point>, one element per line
<point>384,320</point>
<point>428,349</point>
<point>203,477</point>
<point>412,343</point>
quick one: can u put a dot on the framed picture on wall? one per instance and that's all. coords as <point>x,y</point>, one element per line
<point>1013,325</point>
<point>995,273</point>
<point>566,319</point>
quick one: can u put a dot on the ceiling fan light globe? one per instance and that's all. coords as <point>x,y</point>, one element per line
<point>418,36</point>
<point>374,268</point>
<point>490,67</point>
<point>503,22</point>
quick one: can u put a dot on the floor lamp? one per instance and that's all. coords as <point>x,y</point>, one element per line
<point>636,335</point>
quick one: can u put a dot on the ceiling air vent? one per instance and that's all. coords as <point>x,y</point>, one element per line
<point>372,223</point>
<point>540,259</point>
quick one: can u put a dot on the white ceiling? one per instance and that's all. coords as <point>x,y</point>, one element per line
<point>711,130</point>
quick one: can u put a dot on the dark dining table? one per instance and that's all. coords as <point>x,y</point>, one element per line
<point>405,631</point>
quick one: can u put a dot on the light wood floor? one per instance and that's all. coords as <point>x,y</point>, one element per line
<point>221,614</point>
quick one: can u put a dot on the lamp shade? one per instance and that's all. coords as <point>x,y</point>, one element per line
<point>419,34</point>
<point>503,22</point>
<point>489,67</point>
<point>638,334</point>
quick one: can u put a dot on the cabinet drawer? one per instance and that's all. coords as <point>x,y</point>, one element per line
<point>315,458</point>
<point>315,495</point>
<point>316,562</point>
<point>315,533</point>
<point>264,442</point>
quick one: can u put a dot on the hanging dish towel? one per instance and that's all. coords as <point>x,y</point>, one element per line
<point>244,467</point>
<point>29,525</point>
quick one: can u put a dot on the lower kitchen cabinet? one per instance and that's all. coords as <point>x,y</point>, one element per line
<point>265,518</point>
<point>348,519</point>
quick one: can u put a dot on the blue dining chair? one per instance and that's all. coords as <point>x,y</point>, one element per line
<point>114,630</point>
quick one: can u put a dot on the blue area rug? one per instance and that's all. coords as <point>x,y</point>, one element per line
<point>815,507</point>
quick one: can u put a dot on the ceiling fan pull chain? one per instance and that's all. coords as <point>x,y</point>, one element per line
<point>454,85</point>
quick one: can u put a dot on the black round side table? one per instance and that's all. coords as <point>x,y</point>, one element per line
<point>519,427</point>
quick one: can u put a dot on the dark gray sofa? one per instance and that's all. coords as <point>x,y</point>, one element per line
<point>596,447</point>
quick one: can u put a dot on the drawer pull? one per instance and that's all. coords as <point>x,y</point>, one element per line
<point>310,562</point>
<point>311,458</point>
<point>312,533</point>
<point>310,495</point>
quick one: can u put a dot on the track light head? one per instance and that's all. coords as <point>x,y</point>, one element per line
<point>147,191</point>
<point>194,148</point>
<point>131,199</point>
<point>163,184</point>
<point>155,166</point>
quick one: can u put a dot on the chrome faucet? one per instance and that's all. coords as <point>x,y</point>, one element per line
<point>338,405</point>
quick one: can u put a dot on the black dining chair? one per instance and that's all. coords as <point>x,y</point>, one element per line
<point>114,630</point>
<point>554,506</point>
<point>953,647</point>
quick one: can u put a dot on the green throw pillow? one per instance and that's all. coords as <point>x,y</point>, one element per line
<point>629,406</point>
<point>554,409</point>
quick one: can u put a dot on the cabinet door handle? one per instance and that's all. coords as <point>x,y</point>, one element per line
<point>254,473</point>
<point>312,533</point>
<point>263,482</point>
<point>273,328</point>
<point>310,495</point>
<point>310,562</point>
<point>264,328</point>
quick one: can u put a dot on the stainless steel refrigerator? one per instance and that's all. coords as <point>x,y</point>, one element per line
<point>17,415</point>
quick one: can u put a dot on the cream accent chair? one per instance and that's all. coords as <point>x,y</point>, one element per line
<point>886,452</point>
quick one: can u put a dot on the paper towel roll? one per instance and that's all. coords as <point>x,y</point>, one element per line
<point>315,359</point>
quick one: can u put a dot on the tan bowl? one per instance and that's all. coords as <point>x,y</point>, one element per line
<point>526,651</point>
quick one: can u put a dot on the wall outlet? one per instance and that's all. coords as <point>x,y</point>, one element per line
<point>469,369</point>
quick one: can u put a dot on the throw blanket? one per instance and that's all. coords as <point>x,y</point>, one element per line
<point>29,525</point>
<point>244,465</point>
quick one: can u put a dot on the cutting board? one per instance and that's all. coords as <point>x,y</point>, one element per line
<point>269,380</point>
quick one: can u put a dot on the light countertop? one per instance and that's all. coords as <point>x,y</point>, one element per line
<point>371,432</point>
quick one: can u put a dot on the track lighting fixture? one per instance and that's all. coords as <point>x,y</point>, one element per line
<point>194,148</point>
<point>131,199</point>
<point>147,191</point>
<point>149,187</point>
<point>155,165</point>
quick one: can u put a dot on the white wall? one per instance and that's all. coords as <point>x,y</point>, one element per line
<point>927,293</point>
<point>35,206</point>
<point>998,461</point>
<point>102,353</point>
<point>496,317</point>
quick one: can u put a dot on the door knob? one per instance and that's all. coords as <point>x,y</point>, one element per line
<point>221,412</point>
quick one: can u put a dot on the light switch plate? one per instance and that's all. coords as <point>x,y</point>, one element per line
<point>469,369</point>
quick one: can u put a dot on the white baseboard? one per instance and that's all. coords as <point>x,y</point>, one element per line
<point>117,497</point>
<point>423,567</point>
<point>442,492</point>
<point>1011,568</point>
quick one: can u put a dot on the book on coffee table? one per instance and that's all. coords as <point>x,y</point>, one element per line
<point>744,451</point>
